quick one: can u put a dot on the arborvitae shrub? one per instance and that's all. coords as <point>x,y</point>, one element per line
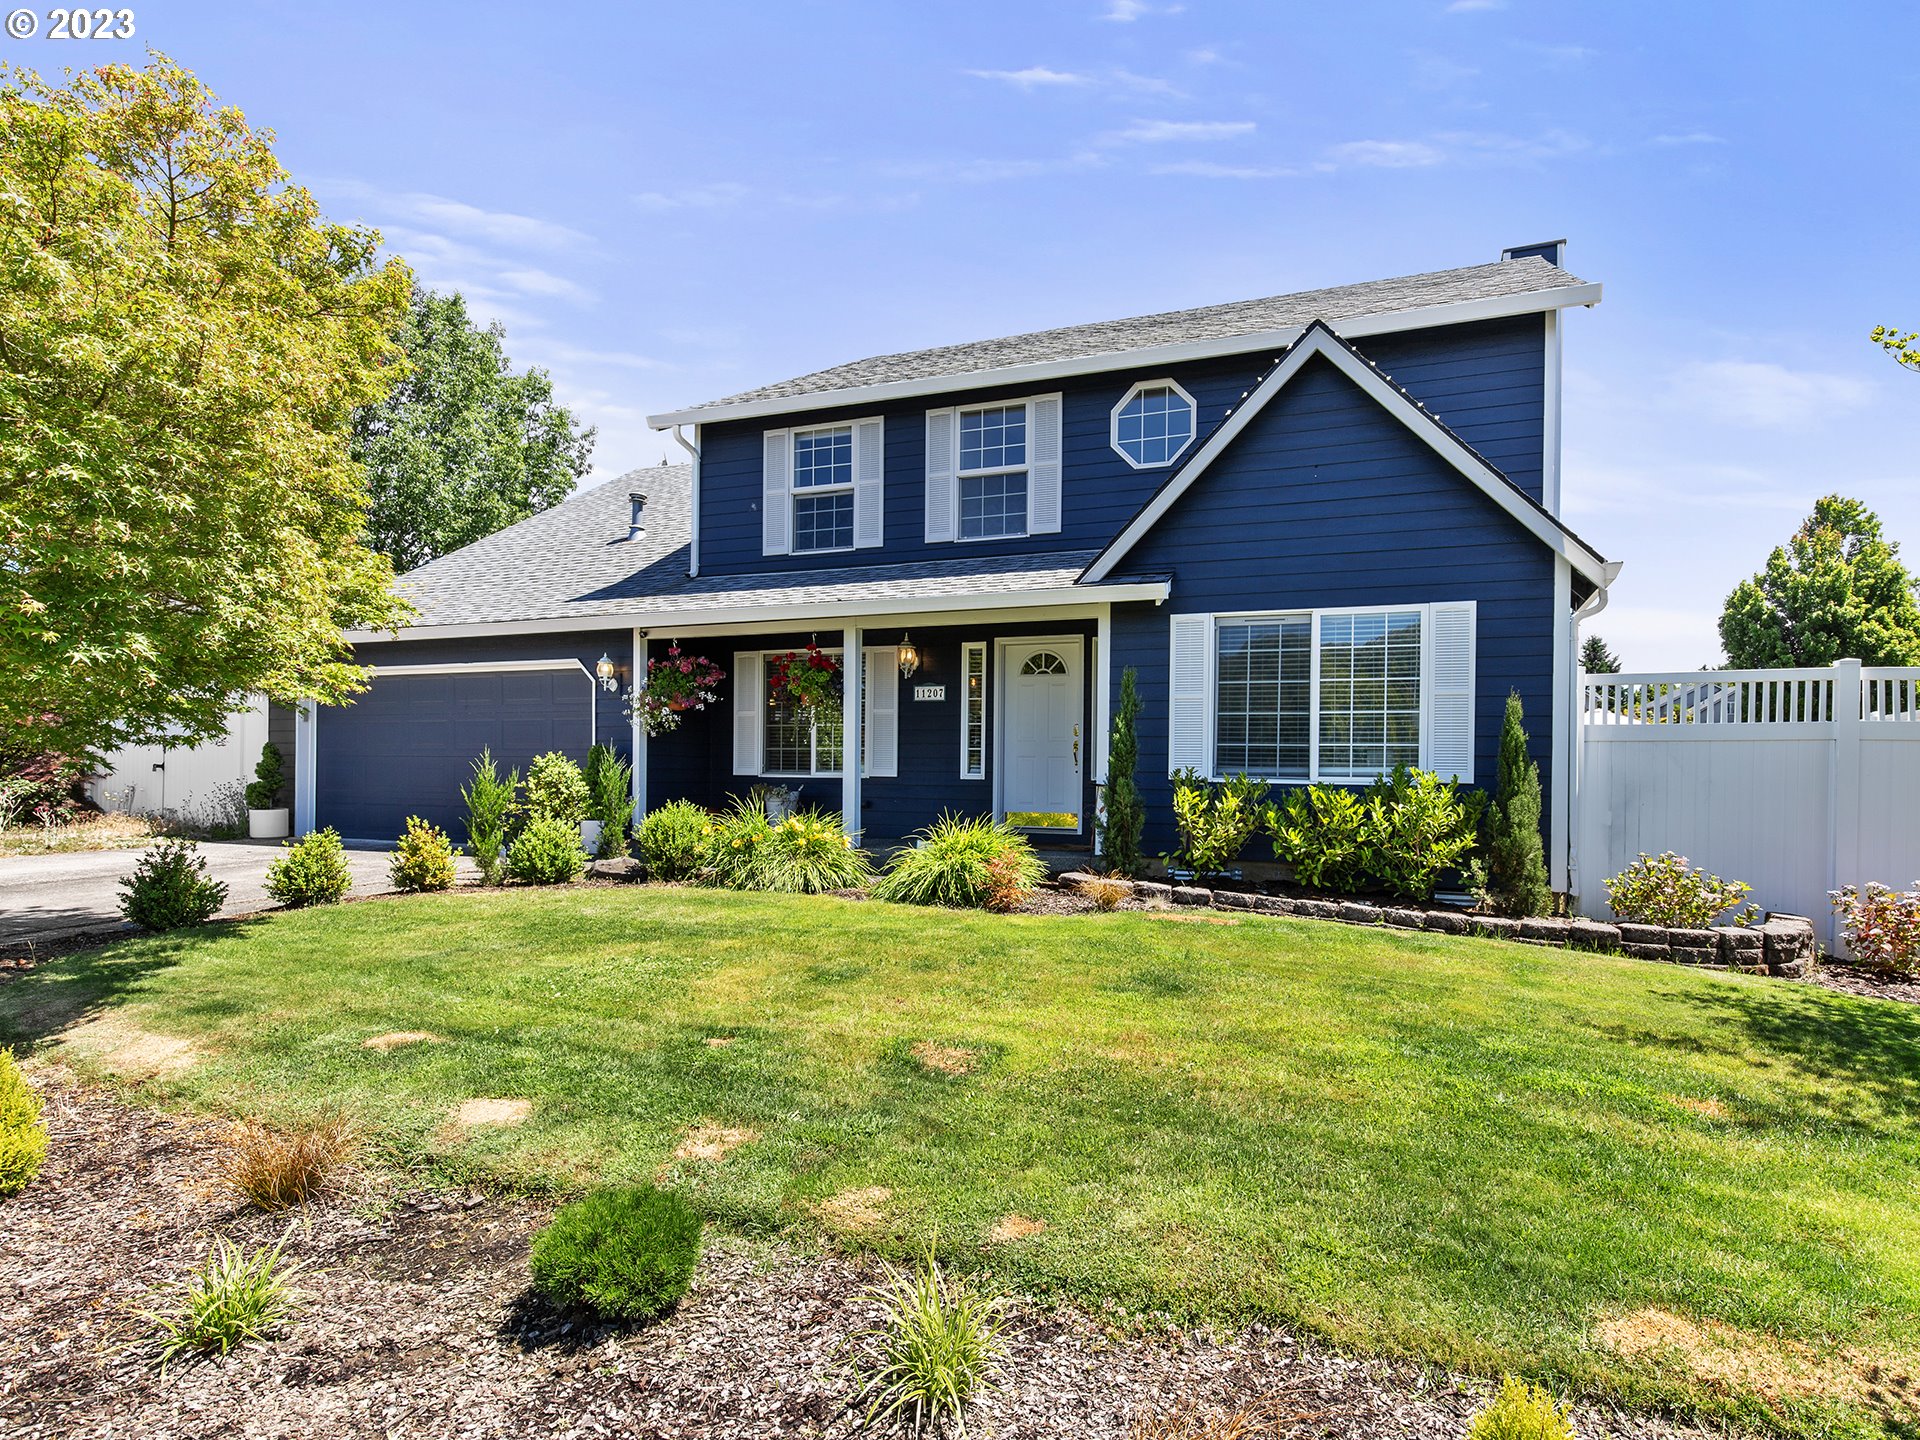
<point>1516,861</point>
<point>1126,815</point>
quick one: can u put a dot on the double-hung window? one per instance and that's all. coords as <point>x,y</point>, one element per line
<point>993,471</point>
<point>992,475</point>
<point>1330,695</point>
<point>823,488</point>
<point>778,738</point>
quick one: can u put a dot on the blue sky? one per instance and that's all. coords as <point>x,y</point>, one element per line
<point>669,203</point>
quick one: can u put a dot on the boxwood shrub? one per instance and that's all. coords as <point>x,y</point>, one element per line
<point>310,871</point>
<point>546,852</point>
<point>671,838</point>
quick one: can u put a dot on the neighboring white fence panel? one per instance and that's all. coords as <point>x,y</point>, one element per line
<point>152,779</point>
<point>1795,781</point>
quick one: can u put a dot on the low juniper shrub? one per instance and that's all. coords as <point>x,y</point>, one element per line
<point>423,859</point>
<point>626,1253</point>
<point>670,840</point>
<point>170,887</point>
<point>310,871</point>
<point>1522,1412</point>
<point>546,852</point>
<point>952,864</point>
<point>23,1138</point>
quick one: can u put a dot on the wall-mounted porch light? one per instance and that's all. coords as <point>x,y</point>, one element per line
<point>608,673</point>
<point>909,657</point>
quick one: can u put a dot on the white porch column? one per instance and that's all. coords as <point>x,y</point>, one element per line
<point>304,748</point>
<point>1565,721</point>
<point>850,705</point>
<point>639,731</point>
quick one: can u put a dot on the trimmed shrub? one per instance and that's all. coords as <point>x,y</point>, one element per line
<point>1516,860</point>
<point>170,888</point>
<point>556,790</point>
<point>625,1254</point>
<point>491,805</point>
<point>672,839</point>
<point>268,776</point>
<point>1214,821</point>
<point>423,860</point>
<point>951,865</point>
<point>23,1139</point>
<point>546,852</point>
<point>1882,925</point>
<point>234,1297</point>
<point>1664,889</point>
<point>939,1342</point>
<point>1124,818</point>
<point>1401,835</point>
<point>275,1169</point>
<point>609,799</point>
<point>310,871</point>
<point>1522,1412</point>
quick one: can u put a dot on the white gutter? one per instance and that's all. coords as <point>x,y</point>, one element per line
<point>1457,313</point>
<point>693,518</point>
<point>1588,608</point>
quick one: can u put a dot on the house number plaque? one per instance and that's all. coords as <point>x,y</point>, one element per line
<point>929,692</point>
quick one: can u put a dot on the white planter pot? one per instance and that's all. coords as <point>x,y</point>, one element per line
<point>590,836</point>
<point>269,824</point>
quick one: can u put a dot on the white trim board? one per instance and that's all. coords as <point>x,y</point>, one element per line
<point>1389,322</point>
<point>797,616</point>
<point>1321,340</point>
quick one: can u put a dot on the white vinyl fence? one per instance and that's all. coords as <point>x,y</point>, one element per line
<point>156,779</point>
<point>1795,781</point>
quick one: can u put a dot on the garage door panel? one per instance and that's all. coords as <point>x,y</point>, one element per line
<point>408,744</point>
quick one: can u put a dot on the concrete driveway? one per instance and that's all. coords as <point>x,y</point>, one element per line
<point>46,896</point>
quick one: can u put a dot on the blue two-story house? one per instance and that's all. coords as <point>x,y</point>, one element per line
<point>1323,529</point>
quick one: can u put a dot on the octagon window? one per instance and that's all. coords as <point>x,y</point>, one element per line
<point>1153,424</point>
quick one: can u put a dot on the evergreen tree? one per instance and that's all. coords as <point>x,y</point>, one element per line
<point>1516,860</point>
<point>1596,658</point>
<point>1126,817</point>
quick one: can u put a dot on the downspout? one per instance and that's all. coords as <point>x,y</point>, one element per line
<point>1588,608</point>
<point>693,542</point>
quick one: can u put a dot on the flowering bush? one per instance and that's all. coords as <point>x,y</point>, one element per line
<point>1882,925</point>
<point>1665,890</point>
<point>810,678</point>
<point>675,684</point>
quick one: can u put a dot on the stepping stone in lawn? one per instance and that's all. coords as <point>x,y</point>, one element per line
<point>395,1039</point>
<point>490,1114</point>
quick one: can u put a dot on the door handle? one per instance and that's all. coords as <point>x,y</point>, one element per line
<point>1076,747</point>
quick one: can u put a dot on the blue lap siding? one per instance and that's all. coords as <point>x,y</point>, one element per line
<point>1324,501</point>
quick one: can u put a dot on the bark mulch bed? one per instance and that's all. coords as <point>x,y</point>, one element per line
<point>1858,979</point>
<point>417,1322</point>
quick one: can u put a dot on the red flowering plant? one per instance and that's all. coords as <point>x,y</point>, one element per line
<point>676,683</point>
<point>810,678</point>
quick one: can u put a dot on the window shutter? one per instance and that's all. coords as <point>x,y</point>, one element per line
<point>880,725</point>
<point>941,428</point>
<point>1043,465</point>
<point>749,708</point>
<point>776,510</point>
<point>1450,691</point>
<point>1190,707</point>
<point>869,485</point>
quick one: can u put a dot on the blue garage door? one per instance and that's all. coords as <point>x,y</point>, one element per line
<point>407,745</point>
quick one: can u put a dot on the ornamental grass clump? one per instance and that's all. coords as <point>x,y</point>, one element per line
<point>23,1137</point>
<point>734,846</point>
<point>423,858</point>
<point>625,1254</point>
<point>275,1169</point>
<point>170,888</point>
<point>939,1343</point>
<point>546,852</point>
<point>1664,889</point>
<point>952,864</point>
<point>1522,1412</point>
<point>672,839</point>
<point>234,1297</point>
<point>310,871</point>
<point>1882,926</point>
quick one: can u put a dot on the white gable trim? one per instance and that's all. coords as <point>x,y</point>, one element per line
<point>1460,312</point>
<point>1319,340</point>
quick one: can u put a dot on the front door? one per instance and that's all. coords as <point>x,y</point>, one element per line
<point>1043,741</point>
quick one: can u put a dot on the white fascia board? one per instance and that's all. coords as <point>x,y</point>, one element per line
<point>1389,322</point>
<point>923,609</point>
<point>1496,486</point>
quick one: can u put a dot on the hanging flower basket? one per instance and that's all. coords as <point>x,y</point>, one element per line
<point>810,678</point>
<point>675,684</point>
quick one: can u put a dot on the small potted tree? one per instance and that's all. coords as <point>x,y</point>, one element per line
<point>265,819</point>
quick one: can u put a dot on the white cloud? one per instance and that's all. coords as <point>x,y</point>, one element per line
<point>1386,154</point>
<point>1034,77</point>
<point>1210,170</point>
<point>1762,394</point>
<point>1125,12</point>
<point>1690,137</point>
<point>1153,132</point>
<point>529,281</point>
<point>1487,145</point>
<point>499,227</point>
<point>716,196</point>
<point>1205,56</point>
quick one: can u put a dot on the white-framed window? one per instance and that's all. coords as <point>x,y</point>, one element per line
<point>1339,695</point>
<point>1154,423</point>
<point>993,470</point>
<point>823,488</point>
<point>973,710</point>
<point>775,738</point>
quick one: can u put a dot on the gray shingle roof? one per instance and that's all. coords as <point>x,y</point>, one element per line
<point>1211,322</point>
<point>575,561</point>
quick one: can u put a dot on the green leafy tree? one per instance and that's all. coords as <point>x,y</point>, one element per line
<point>1126,816</point>
<point>1516,861</point>
<point>1835,591</point>
<point>183,340</point>
<point>1596,658</point>
<point>462,446</point>
<point>1903,345</point>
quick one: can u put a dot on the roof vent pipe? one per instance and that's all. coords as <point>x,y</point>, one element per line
<point>636,522</point>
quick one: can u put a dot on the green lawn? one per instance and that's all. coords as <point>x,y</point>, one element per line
<point>1477,1152</point>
